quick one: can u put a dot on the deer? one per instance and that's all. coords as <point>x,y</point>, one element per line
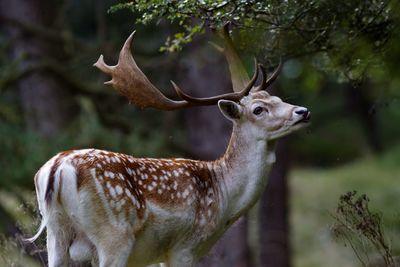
<point>114,209</point>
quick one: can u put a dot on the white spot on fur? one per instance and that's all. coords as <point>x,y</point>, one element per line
<point>185,193</point>
<point>118,189</point>
<point>112,191</point>
<point>128,192</point>
<point>93,172</point>
<point>100,193</point>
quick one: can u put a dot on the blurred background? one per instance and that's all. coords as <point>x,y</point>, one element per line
<point>340,60</point>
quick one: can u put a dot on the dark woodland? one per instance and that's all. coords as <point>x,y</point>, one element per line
<point>340,59</point>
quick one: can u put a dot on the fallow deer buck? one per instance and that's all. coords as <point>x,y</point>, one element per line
<point>115,209</point>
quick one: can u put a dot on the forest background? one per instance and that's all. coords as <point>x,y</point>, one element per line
<point>340,60</point>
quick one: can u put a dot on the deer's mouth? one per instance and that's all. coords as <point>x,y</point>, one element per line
<point>305,119</point>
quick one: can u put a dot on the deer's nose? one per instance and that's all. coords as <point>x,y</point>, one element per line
<point>301,111</point>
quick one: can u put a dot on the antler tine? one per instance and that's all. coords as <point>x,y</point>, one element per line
<point>235,96</point>
<point>100,64</point>
<point>267,82</point>
<point>263,80</point>
<point>253,80</point>
<point>274,75</point>
<point>239,76</point>
<point>125,55</point>
<point>131,82</point>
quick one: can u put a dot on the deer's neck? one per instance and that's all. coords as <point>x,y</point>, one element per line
<point>243,171</point>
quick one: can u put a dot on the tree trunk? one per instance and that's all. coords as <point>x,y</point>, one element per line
<point>45,100</point>
<point>360,103</point>
<point>208,135</point>
<point>274,210</point>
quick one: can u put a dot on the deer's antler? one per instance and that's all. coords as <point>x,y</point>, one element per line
<point>265,83</point>
<point>235,96</point>
<point>239,76</point>
<point>132,83</point>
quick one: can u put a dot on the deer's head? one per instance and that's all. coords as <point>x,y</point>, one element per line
<point>268,117</point>
<point>265,116</point>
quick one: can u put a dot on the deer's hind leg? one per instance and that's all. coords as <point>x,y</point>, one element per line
<point>59,234</point>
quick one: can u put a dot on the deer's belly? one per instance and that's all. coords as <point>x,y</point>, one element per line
<point>164,230</point>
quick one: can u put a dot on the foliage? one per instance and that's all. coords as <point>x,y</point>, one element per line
<point>352,33</point>
<point>314,197</point>
<point>11,254</point>
<point>355,224</point>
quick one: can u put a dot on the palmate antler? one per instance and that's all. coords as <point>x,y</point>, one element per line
<point>131,82</point>
<point>239,76</point>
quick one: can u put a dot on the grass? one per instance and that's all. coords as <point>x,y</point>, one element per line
<point>11,255</point>
<point>10,252</point>
<point>315,194</point>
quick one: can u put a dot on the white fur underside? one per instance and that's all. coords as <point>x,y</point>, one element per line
<point>62,235</point>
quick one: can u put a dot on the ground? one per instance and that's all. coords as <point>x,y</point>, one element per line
<point>315,193</point>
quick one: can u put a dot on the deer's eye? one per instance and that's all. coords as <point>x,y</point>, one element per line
<point>258,110</point>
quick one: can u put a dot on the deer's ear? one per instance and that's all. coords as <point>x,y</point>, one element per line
<point>230,109</point>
